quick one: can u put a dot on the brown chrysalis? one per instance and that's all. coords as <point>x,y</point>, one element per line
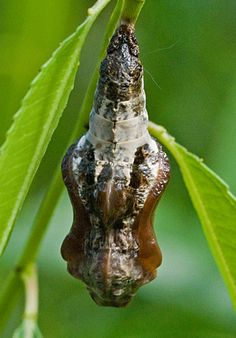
<point>115,175</point>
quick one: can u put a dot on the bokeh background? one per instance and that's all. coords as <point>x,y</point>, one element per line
<point>188,51</point>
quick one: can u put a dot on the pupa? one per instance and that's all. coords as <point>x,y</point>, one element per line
<point>115,175</point>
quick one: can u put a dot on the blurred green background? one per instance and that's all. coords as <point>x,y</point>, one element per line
<point>188,51</point>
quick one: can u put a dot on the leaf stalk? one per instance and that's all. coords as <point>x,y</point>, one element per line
<point>131,11</point>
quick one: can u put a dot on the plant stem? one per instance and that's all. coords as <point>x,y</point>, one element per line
<point>53,194</point>
<point>160,132</point>
<point>29,328</point>
<point>32,246</point>
<point>131,11</point>
<point>29,277</point>
<point>30,280</point>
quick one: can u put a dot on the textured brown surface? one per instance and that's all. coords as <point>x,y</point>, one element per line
<point>114,187</point>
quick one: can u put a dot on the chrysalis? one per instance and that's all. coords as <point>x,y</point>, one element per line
<point>115,175</point>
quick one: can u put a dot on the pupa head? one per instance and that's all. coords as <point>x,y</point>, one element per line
<point>121,72</point>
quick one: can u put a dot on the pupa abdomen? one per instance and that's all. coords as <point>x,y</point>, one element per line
<point>115,175</point>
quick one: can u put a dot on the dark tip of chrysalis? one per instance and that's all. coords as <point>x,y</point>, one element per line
<point>124,35</point>
<point>121,70</point>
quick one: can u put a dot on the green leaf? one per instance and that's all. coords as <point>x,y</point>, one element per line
<point>28,329</point>
<point>35,122</point>
<point>214,204</point>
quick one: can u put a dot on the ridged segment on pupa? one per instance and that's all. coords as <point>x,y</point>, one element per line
<point>115,175</point>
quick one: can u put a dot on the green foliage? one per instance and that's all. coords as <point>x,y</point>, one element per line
<point>215,205</point>
<point>35,122</point>
<point>171,308</point>
<point>28,329</point>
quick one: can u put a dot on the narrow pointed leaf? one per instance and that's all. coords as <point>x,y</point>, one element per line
<point>35,123</point>
<point>214,204</point>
